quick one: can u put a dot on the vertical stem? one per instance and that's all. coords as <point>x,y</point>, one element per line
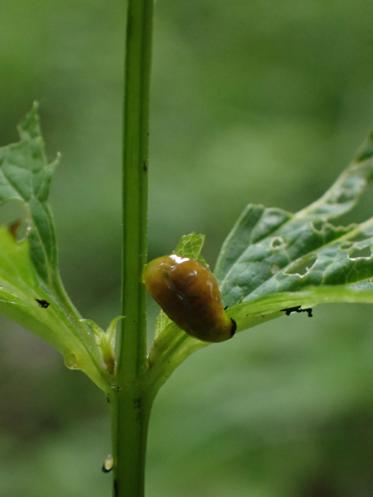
<point>132,349</point>
<point>130,405</point>
<point>130,425</point>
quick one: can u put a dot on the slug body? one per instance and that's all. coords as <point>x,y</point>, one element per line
<point>189,294</point>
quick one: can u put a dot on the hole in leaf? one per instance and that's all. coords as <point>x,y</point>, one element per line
<point>317,226</point>
<point>342,197</point>
<point>302,266</point>
<point>360,252</point>
<point>277,242</point>
<point>361,236</point>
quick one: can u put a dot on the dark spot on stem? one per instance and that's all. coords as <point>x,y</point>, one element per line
<point>137,403</point>
<point>115,488</point>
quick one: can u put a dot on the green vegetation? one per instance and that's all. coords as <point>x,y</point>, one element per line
<point>271,261</point>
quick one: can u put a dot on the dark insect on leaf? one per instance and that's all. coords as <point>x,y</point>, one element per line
<point>298,308</point>
<point>43,303</point>
<point>189,294</point>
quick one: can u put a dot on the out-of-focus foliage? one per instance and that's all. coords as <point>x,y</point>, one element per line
<point>252,102</point>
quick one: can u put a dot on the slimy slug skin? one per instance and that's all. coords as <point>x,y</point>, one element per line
<point>189,294</point>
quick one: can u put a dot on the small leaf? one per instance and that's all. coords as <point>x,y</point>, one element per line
<point>31,290</point>
<point>107,344</point>
<point>25,175</point>
<point>191,246</point>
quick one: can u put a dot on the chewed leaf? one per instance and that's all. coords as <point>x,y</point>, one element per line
<point>346,191</point>
<point>270,250</point>
<point>294,244</point>
<point>25,175</point>
<point>274,263</point>
<point>255,224</point>
<point>347,260</point>
<point>31,290</point>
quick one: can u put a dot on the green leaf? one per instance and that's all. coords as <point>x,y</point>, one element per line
<point>25,175</point>
<point>293,244</point>
<point>161,322</point>
<point>249,314</point>
<point>31,290</point>
<point>347,189</point>
<point>191,246</point>
<point>25,301</point>
<point>258,223</point>
<point>255,223</point>
<point>274,261</point>
<point>108,342</point>
<point>270,250</point>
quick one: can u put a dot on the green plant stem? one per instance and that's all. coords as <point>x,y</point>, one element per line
<point>130,405</point>
<point>130,426</point>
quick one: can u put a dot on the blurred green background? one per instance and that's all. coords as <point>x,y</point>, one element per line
<point>251,102</point>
